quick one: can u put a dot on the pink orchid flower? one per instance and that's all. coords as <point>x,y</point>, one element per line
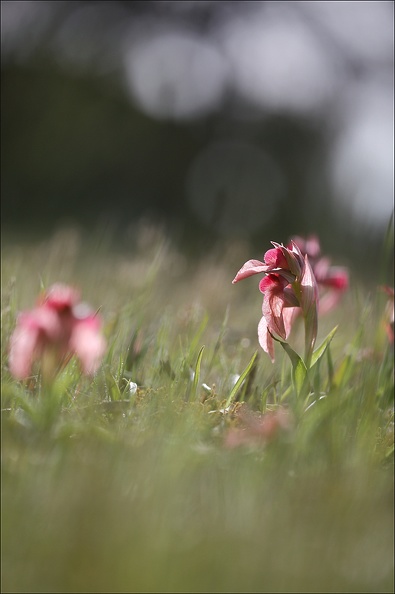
<point>288,287</point>
<point>57,328</point>
<point>277,295</point>
<point>332,280</point>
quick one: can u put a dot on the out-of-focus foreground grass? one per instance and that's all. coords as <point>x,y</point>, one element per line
<point>113,490</point>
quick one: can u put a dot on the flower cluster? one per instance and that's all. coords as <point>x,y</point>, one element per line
<point>289,285</point>
<point>58,327</point>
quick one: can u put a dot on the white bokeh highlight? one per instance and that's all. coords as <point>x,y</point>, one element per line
<point>175,74</point>
<point>277,62</point>
<point>362,156</point>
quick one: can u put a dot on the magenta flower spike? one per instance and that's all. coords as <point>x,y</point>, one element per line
<point>288,287</point>
<point>58,327</point>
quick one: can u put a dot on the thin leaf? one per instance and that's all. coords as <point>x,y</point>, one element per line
<point>317,377</point>
<point>318,353</point>
<point>343,373</point>
<point>240,381</point>
<point>196,338</point>
<point>112,384</point>
<point>110,351</point>
<point>220,338</point>
<point>317,358</point>
<point>300,376</point>
<point>299,370</point>
<point>196,377</point>
<point>331,371</point>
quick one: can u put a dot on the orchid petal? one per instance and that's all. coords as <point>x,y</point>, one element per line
<point>289,316</point>
<point>272,309</point>
<point>310,245</point>
<point>42,319</point>
<point>274,258</point>
<point>336,278</point>
<point>248,269</point>
<point>60,296</point>
<point>88,344</point>
<point>290,299</point>
<point>292,257</point>
<point>23,345</point>
<point>273,282</point>
<point>309,304</point>
<point>265,339</point>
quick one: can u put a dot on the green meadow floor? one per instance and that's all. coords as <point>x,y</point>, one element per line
<point>112,489</point>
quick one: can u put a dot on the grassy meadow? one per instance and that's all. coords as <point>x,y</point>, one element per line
<point>156,475</point>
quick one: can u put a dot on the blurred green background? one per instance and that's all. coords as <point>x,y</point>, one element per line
<point>246,120</point>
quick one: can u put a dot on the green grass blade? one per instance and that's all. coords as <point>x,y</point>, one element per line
<point>240,381</point>
<point>331,370</point>
<point>199,332</point>
<point>219,339</point>
<point>300,376</point>
<point>196,377</point>
<point>318,353</point>
<point>299,370</point>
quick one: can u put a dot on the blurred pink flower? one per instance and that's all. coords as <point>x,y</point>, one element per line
<point>288,287</point>
<point>332,280</point>
<point>256,430</point>
<point>58,327</point>
<point>389,313</point>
